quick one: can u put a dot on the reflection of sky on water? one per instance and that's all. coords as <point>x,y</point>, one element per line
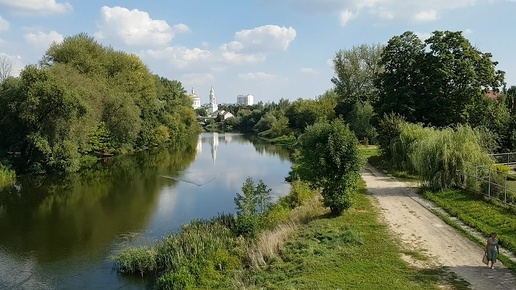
<point>209,185</point>
<point>60,233</point>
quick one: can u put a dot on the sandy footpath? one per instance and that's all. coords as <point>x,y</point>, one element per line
<point>418,228</point>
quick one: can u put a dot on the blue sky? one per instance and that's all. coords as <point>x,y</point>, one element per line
<point>271,49</point>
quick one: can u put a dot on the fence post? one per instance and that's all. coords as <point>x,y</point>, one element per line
<point>505,188</point>
<point>489,183</point>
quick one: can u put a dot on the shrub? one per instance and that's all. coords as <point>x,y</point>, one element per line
<point>252,205</point>
<point>331,159</point>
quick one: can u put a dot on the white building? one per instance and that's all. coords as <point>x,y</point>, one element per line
<point>196,100</point>
<point>213,107</point>
<point>245,99</point>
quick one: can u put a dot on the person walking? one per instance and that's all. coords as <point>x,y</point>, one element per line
<point>492,249</point>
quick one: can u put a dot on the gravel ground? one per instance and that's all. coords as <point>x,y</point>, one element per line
<point>418,228</point>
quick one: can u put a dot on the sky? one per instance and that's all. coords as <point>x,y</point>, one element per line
<point>271,49</point>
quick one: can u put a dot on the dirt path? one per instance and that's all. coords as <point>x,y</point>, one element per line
<point>418,227</point>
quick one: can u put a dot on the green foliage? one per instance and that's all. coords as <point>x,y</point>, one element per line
<point>443,158</point>
<point>360,122</point>
<point>202,255</point>
<point>302,113</point>
<point>300,192</point>
<point>252,205</point>
<point>440,81</point>
<point>141,260</point>
<point>86,98</point>
<point>330,159</point>
<point>7,176</point>
<point>388,130</point>
<point>341,252</point>
<point>355,71</point>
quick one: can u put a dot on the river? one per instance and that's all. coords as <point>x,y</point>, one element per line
<point>60,232</point>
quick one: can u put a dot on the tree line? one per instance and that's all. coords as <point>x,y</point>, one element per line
<point>82,100</point>
<point>442,81</point>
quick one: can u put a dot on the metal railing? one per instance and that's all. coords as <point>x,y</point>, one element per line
<point>495,183</point>
<point>505,158</point>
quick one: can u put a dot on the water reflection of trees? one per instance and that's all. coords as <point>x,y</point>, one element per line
<point>61,216</point>
<point>263,147</point>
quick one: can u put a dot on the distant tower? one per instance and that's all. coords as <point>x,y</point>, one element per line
<point>213,102</point>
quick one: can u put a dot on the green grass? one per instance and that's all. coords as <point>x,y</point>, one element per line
<point>485,215</point>
<point>352,251</point>
<point>368,151</point>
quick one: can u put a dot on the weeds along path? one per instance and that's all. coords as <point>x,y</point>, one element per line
<point>419,229</point>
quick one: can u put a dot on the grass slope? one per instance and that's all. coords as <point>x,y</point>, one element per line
<point>352,251</point>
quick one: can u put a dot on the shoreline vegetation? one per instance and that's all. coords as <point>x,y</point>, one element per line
<point>7,176</point>
<point>436,109</point>
<point>298,243</point>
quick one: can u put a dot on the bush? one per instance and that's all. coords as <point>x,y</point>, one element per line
<point>331,159</point>
<point>388,130</point>
<point>251,207</point>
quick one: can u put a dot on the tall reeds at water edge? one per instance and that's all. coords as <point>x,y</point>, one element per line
<point>7,176</point>
<point>443,158</point>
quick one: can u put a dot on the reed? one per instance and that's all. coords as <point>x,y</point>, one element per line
<point>7,176</point>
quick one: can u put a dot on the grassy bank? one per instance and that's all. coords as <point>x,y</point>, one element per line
<point>485,215</point>
<point>352,251</point>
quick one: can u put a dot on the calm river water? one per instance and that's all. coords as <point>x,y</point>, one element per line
<point>59,232</point>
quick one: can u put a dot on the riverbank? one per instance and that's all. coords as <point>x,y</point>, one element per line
<point>351,251</point>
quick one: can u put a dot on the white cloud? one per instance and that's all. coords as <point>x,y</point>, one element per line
<point>382,9</point>
<point>180,57</point>
<point>36,6</point>
<point>4,25</point>
<point>248,47</point>
<point>265,38</point>
<point>257,76</point>
<point>181,28</point>
<point>135,27</point>
<point>240,58</point>
<point>42,39</point>
<point>345,16</point>
<point>428,15</point>
<point>307,70</point>
<point>468,31</point>
<point>197,79</point>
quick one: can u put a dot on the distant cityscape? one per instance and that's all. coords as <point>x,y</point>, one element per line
<point>212,106</point>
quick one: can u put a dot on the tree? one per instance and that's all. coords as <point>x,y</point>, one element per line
<point>400,83</point>
<point>355,71</point>
<point>252,205</point>
<point>439,82</point>
<point>6,67</point>
<point>360,122</point>
<point>330,159</point>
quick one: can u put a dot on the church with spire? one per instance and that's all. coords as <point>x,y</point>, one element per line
<point>211,107</point>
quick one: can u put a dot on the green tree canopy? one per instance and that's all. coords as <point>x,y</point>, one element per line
<point>440,81</point>
<point>330,159</point>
